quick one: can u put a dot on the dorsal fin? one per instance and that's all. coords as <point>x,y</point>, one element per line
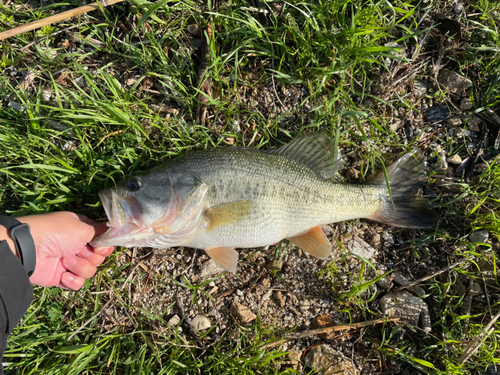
<point>316,151</point>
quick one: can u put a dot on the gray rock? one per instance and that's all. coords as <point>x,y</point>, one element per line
<point>210,268</point>
<point>453,82</point>
<point>454,159</point>
<point>201,323</point>
<point>402,305</point>
<point>328,361</point>
<point>480,236</point>
<point>174,321</point>
<point>466,104</point>
<point>360,248</point>
<point>473,124</point>
<point>437,113</point>
<point>403,281</point>
<point>420,87</point>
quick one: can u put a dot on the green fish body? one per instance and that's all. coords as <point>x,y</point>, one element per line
<point>226,198</point>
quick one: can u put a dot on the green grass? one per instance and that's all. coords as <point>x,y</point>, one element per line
<point>334,67</point>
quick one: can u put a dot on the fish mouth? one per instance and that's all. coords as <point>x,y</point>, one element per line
<point>125,219</point>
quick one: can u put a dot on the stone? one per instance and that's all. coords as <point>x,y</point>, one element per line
<point>454,121</point>
<point>274,265</point>
<point>454,159</point>
<point>323,321</point>
<point>210,268</point>
<point>475,289</point>
<point>402,305</point>
<point>243,313</point>
<point>360,248</point>
<point>294,357</point>
<point>376,242</point>
<point>328,361</point>
<point>174,321</point>
<point>473,124</point>
<point>403,281</point>
<point>420,87</point>
<point>453,82</point>
<point>466,104</point>
<point>201,323</point>
<point>437,113</point>
<point>278,298</point>
<point>480,236</point>
<point>305,305</point>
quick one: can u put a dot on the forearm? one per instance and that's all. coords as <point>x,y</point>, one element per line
<point>16,293</point>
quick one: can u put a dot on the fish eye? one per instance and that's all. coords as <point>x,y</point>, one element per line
<point>133,185</point>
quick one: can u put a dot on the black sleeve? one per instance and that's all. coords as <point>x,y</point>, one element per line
<point>16,294</point>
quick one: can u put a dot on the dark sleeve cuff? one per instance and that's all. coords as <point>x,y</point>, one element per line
<point>16,291</point>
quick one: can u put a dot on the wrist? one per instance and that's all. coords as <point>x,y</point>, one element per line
<point>17,233</point>
<point>4,235</point>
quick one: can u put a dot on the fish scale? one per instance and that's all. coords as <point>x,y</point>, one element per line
<point>287,196</point>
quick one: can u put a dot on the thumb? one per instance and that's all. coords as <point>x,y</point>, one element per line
<point>98,228</point>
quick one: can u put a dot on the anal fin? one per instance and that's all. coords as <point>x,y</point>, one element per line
<point>314,242</point>
<point>225,257</point>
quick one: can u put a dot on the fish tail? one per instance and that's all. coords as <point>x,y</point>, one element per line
<point>403,203</point>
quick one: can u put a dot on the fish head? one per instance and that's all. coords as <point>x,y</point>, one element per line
<point>158,203</point>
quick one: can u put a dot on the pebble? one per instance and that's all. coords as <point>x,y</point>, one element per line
<point>46,94</point>
<point>402,305</point>
<point>323,321</point>
<point>420,87</point>
<point>473,124</point>
<point>480,236</point>
<point>328,361</point>
<point>453,82</point>
<point>200,323</point>
<point>466,104</point>
<point>210,268</point>
<point>278,297</point>
<point>240,293</point>
<point>437,113</point>
<point>267,295</point>
<point>454,159</point>
<point>305,305</point>
<point>361,249</point>
<point>376,242</point>
<point>454,121</point>
<point>403,281</point>
<point>243,313</point>
<point>274,265</point>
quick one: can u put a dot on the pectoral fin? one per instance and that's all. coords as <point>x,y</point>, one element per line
<point>314,242</point>
<point>228,213</point>
<point>225,257</point>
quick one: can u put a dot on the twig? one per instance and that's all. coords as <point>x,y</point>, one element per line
<point>476,343</point>
<point>418,281</point>
<point>319,331</point>
<point>56,18</point>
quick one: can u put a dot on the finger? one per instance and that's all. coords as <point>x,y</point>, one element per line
<point>79,266</point>
<point>98,228</point>
<point>104,251</point>
<point>72,281</point>
<point>93,258</point>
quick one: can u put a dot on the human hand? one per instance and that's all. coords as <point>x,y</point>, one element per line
<point>64,257</point>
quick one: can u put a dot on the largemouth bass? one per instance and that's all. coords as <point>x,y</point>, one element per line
<point>226,198</point>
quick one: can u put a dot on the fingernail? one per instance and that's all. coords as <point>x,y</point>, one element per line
<point>69,261</point>
<point>100,250</point>
<point>67,278</point>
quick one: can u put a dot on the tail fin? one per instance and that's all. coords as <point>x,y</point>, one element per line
<point>404,204</point>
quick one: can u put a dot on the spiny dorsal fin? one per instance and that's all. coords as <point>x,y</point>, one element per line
<point>316,151</point>
<point>225,257</point>
<point>314,242</point>
<point>228,213</point>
